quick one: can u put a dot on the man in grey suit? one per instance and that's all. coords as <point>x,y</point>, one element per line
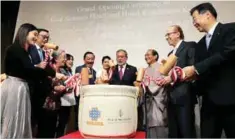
<point>182,97</point>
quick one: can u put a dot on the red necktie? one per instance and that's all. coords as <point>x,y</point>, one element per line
<point>120,73</point>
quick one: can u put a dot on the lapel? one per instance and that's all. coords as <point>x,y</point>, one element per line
<point>215,36</point>
<point>84,65</point>
<point>36,57</point>
<point>43,54</point>
<point>126,72</point>
<point>90,70</point>
<point>117,72</point>
<point>180,48</point>
<point>202,43</point>
<point>170,53</point>
<point>36,53</point>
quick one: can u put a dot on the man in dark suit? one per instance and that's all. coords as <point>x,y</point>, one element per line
<point>42,88</point>
<point>123,74</point>
<point>182,97</point>
<point>89,59</point>
<point>214,71</point>
<point>36,51</point>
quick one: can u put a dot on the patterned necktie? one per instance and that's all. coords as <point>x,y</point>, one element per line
<point>120,72</point>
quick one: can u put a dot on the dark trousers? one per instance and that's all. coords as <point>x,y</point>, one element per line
<point>181,121</point>
<point>215,118</point>
<point>63,118</point>
<point>140,125</point>
<point>76,113</point>
<point>47,123</point>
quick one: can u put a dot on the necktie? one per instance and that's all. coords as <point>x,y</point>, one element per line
<point>40,54</point>
<point>90,71</point>
<point>208,39</point>
<point>120,72</point>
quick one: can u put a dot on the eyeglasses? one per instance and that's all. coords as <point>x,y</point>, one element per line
<point>45,37</point>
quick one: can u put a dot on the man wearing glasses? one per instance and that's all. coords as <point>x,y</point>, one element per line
<point>39,90</point>
<point>36,52</point>
<point>214,72</point>
<point>182,98</point>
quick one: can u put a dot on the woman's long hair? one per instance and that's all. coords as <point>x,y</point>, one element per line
<point>68,57</point>
<point>22,33</point>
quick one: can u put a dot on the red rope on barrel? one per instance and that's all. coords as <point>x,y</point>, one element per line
<point>177,73</point>
<point>74,82</point>
<point>47,56</point>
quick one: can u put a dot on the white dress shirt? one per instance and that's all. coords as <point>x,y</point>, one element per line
<point>123,69</point>
<point>208,39</point>
<point>176,47</point>
<point>209,34</point>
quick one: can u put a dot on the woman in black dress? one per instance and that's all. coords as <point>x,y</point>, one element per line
<point>15,95</point>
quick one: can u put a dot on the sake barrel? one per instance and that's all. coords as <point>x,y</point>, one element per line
<point>108,111</point>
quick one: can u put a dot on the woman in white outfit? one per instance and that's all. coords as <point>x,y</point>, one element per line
<point>103,75</point>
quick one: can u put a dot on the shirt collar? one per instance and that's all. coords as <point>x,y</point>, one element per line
<point>89,68</point>
<point>123,66</point>
<point>178,44</point>
<point>37,46</point>
<point>212,29</point>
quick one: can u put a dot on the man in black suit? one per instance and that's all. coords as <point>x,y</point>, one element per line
<point>89,59</point>
<point>214,71</point>
<point>182,97</point>
<point>42,88</point>
<point>36,52</point>
<point>123,74</point>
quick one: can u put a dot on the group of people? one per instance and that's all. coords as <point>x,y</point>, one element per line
<point>35,101</point>
<point>34,95</point>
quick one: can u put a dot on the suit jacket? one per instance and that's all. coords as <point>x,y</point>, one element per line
<point>43,87</point>
<point>183,92</point>
<point>128,78</point>
<point>92,72</point>
<point>216,66</point>
<point>33,51</point>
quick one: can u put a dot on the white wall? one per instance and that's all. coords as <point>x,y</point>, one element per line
<point>104,27</point>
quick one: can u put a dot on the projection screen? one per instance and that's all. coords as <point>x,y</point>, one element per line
<point>105,26</point>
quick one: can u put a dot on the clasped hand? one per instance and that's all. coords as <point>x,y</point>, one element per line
<point>190,73</point>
